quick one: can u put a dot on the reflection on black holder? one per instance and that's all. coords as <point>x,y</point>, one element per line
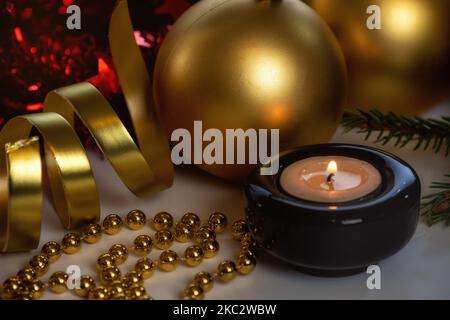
<point>327,239</point>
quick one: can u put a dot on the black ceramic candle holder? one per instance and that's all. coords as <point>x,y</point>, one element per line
<point>328,239</point>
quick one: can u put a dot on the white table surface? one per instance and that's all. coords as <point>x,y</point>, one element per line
<point>419,271</point>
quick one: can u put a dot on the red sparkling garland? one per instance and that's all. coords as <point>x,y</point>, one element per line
<point>38,53</point>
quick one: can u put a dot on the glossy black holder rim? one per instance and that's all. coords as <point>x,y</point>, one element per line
<point>327,239</point>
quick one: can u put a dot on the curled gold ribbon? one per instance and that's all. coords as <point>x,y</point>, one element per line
<point>143,168</point>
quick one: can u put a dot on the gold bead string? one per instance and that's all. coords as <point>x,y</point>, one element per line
<point>26,284</point>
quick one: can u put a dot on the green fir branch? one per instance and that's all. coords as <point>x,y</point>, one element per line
<point>424,133</point>
<point>389,127</point>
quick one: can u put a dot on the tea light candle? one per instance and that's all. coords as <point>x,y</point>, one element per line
<point>333,209</point>
<point>330,179</point>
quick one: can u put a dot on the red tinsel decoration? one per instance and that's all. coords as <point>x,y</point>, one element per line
<point>38,53</point>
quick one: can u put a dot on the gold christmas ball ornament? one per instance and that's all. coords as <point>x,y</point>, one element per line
<point>402,67</point>
<point>251,64</point>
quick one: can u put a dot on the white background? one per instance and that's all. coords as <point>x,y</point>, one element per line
<point>420,271</point>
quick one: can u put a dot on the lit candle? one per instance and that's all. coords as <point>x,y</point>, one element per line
<point>330,179</point>
<point>333,209</point>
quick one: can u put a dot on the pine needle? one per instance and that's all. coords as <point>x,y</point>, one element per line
<point>403,131</point>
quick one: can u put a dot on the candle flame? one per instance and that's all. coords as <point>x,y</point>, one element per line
<point>332,167</point>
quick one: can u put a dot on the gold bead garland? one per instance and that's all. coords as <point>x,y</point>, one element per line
<point>116,285</point>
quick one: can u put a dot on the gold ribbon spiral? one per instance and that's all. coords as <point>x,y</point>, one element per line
<point>143,168</point>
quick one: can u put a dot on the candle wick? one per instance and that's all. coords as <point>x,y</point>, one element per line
<point>330,179</point>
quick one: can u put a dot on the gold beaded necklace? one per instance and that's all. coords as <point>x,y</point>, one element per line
<point>26,284</point>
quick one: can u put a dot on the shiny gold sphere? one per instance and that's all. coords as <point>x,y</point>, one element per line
<point>35,289</point>
<point>26,274</point>
<point>238,229</point>
<point>194,292</point>
<point>116,290</point>
<point>226,270</point>
<point>403,67</point>
<point>193,255</point>
<point>163,239</point>
<point>92,233</point>
<point>252,65</point>
<point>210,248</point>
<point>104,261</point>
<point>146,267</point>
<point>204,280</point>
<point>218,221</point>
<point>109,275</point>
<point>86,284</point>
<point>58,282</point>
<point>112,224</point>
<point>142,245</point>
<point>183,232</point>
<point>71,243</point>
<point>11,288</point>
<point>40,264</point>
<point>250,249</point>
<point>98,293</point>
<point>119,253</point>
<point>162,221</point>
<point>132,278</point>
<point>191,219</point>
<point>136,293</point>
<point>168,260</point>
<point>245,263</point>
<point>203,233</point>
<point>52,250</point>
<point>136,219</point>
